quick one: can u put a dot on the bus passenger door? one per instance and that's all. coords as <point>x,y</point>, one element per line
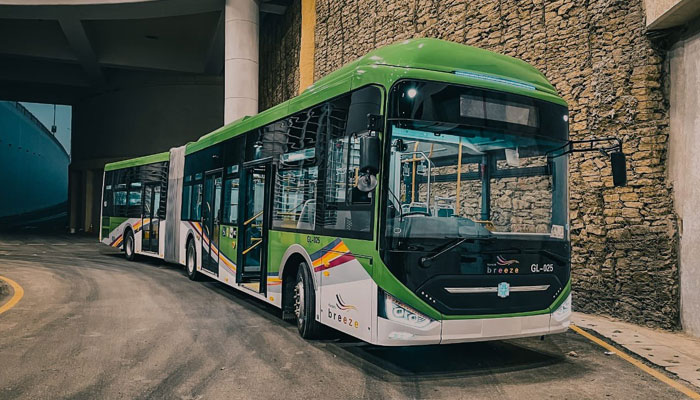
<point>211,218</point>
<point>149,217</point>
<point>253,225</point>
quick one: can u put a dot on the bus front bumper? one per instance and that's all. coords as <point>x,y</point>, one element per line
<point>390,333</point>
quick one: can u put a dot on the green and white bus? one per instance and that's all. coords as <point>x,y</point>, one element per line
<point>415,196</point>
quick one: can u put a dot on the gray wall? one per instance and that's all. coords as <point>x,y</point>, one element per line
<point>135,121</point>
<point>144,120</point>
<point>684,168</point>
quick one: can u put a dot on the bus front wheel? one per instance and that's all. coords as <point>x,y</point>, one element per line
<point>305,304</point>
<point>129,245</point>
<point>191,261</point>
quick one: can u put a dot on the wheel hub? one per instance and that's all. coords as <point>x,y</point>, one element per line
<point>298,298</point>
<point>190,262</point>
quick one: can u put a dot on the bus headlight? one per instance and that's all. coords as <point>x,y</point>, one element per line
<point>564,310</point>
<point>394,310</point>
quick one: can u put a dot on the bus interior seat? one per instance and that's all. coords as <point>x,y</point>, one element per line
<point>445,212</point>
<point>415,207</point>
<point>307,218</point>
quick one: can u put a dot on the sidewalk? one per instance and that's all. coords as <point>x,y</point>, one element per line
<point>676,352</point>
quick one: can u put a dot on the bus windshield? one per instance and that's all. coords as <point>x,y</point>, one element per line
<point>450,179</point>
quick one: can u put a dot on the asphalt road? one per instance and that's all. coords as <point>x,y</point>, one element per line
<point>92,325</point>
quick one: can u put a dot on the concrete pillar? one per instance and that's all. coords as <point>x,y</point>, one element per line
<point>241,59</point>
<point>88,192</point>
<point>74,183</point>
<point>308,44</point>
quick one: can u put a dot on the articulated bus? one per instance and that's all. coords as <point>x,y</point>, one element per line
<point>415,196</point>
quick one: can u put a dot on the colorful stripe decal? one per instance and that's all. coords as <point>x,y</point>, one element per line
<point>332,255</point>
<point>222,257</point>
<point>273,277</point>
<point>117,241</point>
<point>139,225</point>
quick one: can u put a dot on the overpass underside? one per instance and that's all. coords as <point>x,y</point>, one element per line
<point>141,76</point>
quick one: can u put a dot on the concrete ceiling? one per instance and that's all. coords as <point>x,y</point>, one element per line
<point>63,50</point>
<point>665,14</point>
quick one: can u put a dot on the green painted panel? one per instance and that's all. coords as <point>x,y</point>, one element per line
<point>134,162</point>
<point>227,242</point>
<point>280,241</point>
<point>114,222</point>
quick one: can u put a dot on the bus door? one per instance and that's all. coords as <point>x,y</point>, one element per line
<point>211,218</point>
<point>254,206</point>
<point>149,217</point>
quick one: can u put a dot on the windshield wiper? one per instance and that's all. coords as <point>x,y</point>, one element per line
<point>425,262</point>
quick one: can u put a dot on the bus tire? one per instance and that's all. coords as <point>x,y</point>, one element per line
<point>305,304</point>
<point>129,245</point>
<point>191,261</point>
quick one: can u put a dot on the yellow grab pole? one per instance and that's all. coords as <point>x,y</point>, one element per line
<point>413,177</point>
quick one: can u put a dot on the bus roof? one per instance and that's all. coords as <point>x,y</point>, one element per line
<point>134,162</point>
<point>429,59</point>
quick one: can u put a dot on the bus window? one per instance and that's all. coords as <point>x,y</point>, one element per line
<point>295,197</point>
<point>107,208</point>
<point>196,213</point>
<point>186,199</point>
<point>134,200</point>
<point>135,194</point>
<point>231,201</point>
<point>294,202</point>
<point>119,196</point>
<point>346,208</point>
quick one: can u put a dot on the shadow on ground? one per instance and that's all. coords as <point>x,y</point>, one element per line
<point>406,363</point>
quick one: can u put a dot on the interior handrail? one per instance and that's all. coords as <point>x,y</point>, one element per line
<point>253,218</point>
<point>254,245</point>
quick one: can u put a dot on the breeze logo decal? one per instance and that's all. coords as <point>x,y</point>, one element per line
<point>342,319</point>
<point>341,304</point>
<point>503,266</point>
<point>494,270</point>
<point>503,262</point>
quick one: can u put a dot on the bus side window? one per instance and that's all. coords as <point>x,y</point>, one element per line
<point>196,214</point>
<point>294,202</point>
<point>120,200</point>
<point>345,208</point>
<point>134,200</point>
<point>231,201</point>
<point>186,199</point>
<point>107,208</point>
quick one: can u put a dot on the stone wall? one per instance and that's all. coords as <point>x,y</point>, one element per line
<point>598,57</point>
<point>596,54</point>
<point>518,204</point>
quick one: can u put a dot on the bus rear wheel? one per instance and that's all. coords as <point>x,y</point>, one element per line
<point>305,305</point>
<point>129,245</point>
<point>191,261</point>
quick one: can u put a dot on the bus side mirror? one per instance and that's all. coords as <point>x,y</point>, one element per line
<point>618,164</point>
<point>369,154</point>
<point>369,163</point>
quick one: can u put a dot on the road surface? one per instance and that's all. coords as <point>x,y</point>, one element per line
<point>93,325</point>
